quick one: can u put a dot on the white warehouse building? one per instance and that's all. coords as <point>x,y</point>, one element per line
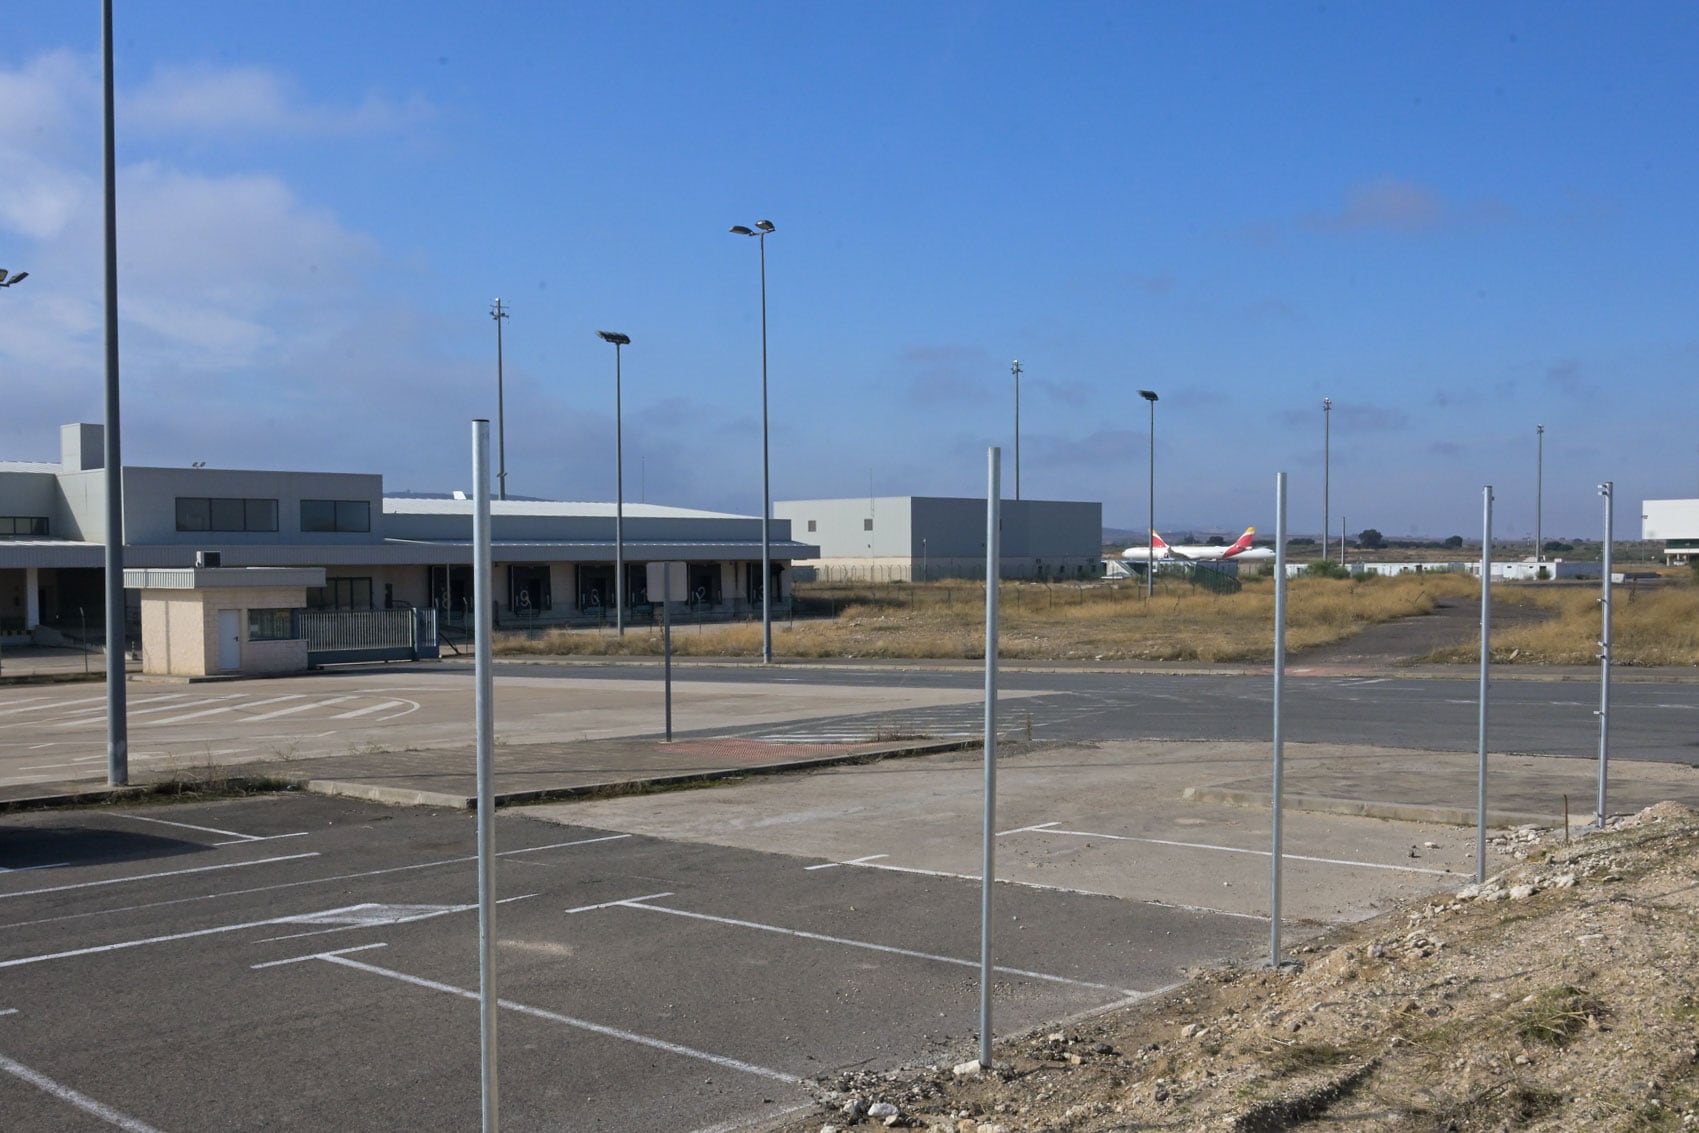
<point>554,561</point>
<point>1676,522</point>
<point>919,538</point>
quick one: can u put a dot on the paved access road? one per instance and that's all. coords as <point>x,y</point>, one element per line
<point>306,963</point>
<point>1649,720</point>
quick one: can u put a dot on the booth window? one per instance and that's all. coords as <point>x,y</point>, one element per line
<point>272,625</point>
<point>336,515</point>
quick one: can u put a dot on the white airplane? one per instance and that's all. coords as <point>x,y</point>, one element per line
<point>1240,550</point>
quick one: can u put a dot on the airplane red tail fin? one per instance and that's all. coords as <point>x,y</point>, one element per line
<point>1243,543</point>
<point>1158,542</point>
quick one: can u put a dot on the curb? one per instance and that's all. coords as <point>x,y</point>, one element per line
<point>1368,808</point>
<point>407,796</point>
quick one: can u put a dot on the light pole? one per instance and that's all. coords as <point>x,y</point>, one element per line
<point>16,277</point>
<point>1539,490</point>
<point>618,340</point>
<point>112,475</point>
<point>498,314</point>
<point>1015,368</point>
<point>1150,559</point>
<point>1326,413</point>
<point>760,232</point>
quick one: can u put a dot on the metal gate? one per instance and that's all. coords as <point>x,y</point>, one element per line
<point>336,637</point>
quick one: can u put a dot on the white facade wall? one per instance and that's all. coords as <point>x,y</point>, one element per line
<point>1676,522</point>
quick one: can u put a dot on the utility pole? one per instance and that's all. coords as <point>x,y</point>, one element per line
<point>1015,369</point>
<point>498,314</point>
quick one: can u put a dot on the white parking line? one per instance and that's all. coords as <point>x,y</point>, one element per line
<point>314,881</point>
<point>203,712</point>
<point>638,903</point>
<point>369,709</point>
<point>297,708</point>
<point>1052,828</point>
<point>82,1101</point>
<point>96,713</point>
<point>236,835</point>
<point>52,705</point>
<point>581,1024</point>
<point>155,876</point>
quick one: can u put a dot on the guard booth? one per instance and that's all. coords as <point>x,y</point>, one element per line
<point>223,621</point>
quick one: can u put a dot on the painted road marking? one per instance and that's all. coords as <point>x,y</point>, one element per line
<point>239,837</point>
<point>52,704</point>
<point>154,876</point>
<point>203,712</point>
<point>567,1020</point>
<point>298,708</point>
<point>375,916</point>
<point>82,1101</point>
<point>1052,828</point>
<point>314,881</point>
<point>638,903</point>
<point>872,861</point>
<point>97,712</point>
<point>369,709</point>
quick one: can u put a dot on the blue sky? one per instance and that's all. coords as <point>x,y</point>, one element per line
<point>1455,220</point>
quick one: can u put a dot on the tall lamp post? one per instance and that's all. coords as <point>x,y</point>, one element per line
<point>1015,369</point>
<point>1326,414</point>
<point>498,314</point>
<point>1150,559</point>
<point>618,340</point>
<point>112,474</point>
<point>1539,490</point>
<point>760,232</point>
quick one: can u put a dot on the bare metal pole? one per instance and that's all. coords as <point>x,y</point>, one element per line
<point>766,478</point>
<point>117,720</point>
<point>1326,440</point>
<point>1607,490</point>
<point>498,314</point>
<point>1278,805</point>
<point>1486,656</point>
<point>619,503</point>
<point>483,598</point>
<point>1150,559</point>
<point>1539,490</point>
<point>987,867</point>
<point>1015,368</point>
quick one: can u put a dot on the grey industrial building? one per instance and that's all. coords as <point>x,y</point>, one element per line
<point>919,538</point>
<point>554,561</point>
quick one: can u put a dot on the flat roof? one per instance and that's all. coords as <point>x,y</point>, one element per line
<point>549,509</point>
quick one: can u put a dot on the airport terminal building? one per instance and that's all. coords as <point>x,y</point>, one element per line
<point>554,561</point>
<point>921,538</point>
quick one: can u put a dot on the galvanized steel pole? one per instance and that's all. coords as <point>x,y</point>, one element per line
<point>483,597</point>
<point>1015,368</point>
<point>1607,490</point>
<point>1150,558</point>
<point>1486,656</point>
<point>1326,438</point>
<point>766,480</point>
<point>987,865</point>
<point>1539,490</point>
<point>1278,805</point>
<point>117,719</point>
<point>498,314</point>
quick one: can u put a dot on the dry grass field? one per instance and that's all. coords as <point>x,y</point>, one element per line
<point>1064,621</point>
<point>1654,626</point>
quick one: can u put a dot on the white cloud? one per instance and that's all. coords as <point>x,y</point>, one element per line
<point>243,100</point>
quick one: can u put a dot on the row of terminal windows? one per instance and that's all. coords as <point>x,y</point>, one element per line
<point>204,513</point>
<point>23,527</point>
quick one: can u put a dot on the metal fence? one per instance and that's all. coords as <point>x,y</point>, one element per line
<point>339,636</point>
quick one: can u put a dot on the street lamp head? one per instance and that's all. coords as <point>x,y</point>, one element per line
<point>1148,394</point>
<point>614,337</point>
<point>742,230</point>
<point>1540,429</point>
<point>17,277</point>
<point>764,225</point>
<point>1326,404</point>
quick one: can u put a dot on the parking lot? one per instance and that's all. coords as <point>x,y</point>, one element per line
<point>310,963</point>
<point>690,960</point>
